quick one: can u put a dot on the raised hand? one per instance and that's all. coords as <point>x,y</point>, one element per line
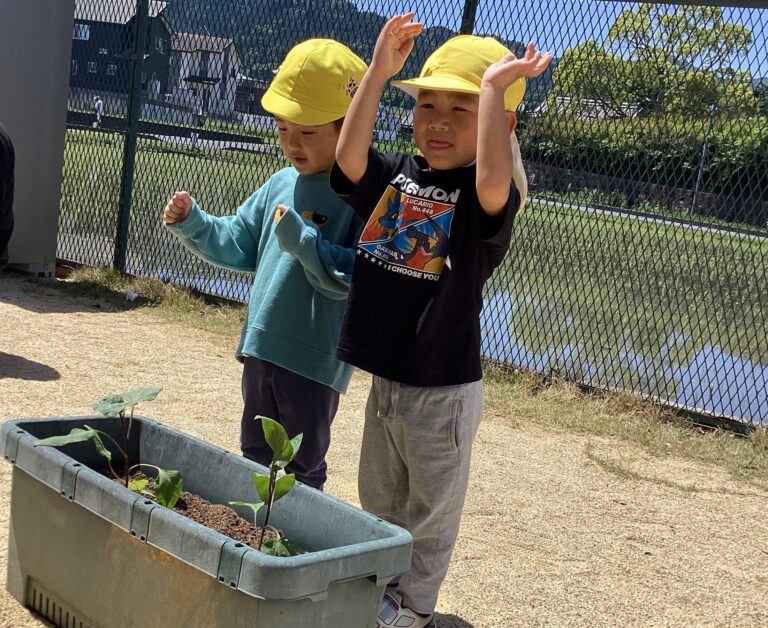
<point>178,208</point>
<point>510,69</point>
<point>394,44</point>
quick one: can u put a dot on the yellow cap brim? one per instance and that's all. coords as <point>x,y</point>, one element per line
<point>512,98</point>
<point>437,83</point>
<point>279,105</point>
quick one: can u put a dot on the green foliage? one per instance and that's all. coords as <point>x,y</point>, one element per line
<point>168,487</point>
<point>665,150</point>
<point>659,59</point>
<point>79,435</point>
<point>138,485</point>
<point>113,405</point>
<point>280,547</point>
<point>168,483</point>
<point>270,488</point>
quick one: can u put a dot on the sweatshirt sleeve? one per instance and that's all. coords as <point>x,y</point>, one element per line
<point>227,241</point>
<point>328,267</point>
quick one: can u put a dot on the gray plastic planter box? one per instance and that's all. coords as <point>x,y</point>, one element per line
<point>85,551</point>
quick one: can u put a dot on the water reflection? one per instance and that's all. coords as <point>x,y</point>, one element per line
<point>712,380</point>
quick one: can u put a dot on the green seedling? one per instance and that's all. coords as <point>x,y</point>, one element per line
<point>168,483</point>
<point>270,487</point>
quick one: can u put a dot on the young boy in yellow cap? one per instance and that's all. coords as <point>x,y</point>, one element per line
<point>437,226</point>
<point>297,238</point>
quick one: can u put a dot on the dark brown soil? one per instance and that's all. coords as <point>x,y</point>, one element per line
<point>215,516</point>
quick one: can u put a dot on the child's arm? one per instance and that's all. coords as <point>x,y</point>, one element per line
<point>226,241</point>
<point>495,162</point>
<point>393,46</point>
<point>328,267</point>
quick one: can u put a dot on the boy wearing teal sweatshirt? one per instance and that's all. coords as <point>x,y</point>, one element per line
<point>297,238</point>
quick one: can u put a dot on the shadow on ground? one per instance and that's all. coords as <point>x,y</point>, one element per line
<point>451,621</point>
<point>17,367</point>
<point>47,296</point>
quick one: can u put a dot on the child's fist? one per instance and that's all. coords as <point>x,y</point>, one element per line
<point>279,211</point>
<point>178,208</point>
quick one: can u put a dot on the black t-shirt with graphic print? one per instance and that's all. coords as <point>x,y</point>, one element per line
<point>413,311</point>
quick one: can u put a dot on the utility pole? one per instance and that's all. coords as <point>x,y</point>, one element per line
<point>468,17</point>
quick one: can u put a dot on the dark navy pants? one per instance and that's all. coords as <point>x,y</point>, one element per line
<point>7,164</point>
<point>299,405</point>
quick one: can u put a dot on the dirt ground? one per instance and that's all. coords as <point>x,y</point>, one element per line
<point>549,538</point>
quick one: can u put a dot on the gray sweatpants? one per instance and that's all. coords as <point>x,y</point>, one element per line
<point>414,469</point>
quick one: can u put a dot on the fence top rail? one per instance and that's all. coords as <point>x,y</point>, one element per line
<point>745,4</point>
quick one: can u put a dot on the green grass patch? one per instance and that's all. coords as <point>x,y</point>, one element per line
<point>524,398</point>
<point>176,304</point>
<point>625,303</point>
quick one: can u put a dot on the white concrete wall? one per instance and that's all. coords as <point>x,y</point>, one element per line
<point>35,48</point>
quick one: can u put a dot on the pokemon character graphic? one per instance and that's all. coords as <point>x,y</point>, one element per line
<point>409,232</point>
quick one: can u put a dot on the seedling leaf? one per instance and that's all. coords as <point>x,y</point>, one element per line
<point>139,484</point>
<point>112,405</point>
<point>276,438</point>
<point>283,485</point>
<point>168,487</point>
<point>295,444</point>
<point>275,547</point>
<point>77,435</point>
<point>261,482</point>
<point>254,507</point>
<point>100,449</point>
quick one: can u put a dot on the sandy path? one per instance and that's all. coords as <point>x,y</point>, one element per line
<point>549,538</point>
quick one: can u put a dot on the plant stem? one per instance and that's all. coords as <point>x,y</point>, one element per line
<point>114,442</point>
<point>130,423</point>
<point>126,463</point>
<point>117,475</point>
<point>272,481</point>
<point>141,464</point>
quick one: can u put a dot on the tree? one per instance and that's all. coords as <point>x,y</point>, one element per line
<point>659,59</point>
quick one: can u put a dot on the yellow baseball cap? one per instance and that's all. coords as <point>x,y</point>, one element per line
<point>458,66</point>
<point>315,83</point>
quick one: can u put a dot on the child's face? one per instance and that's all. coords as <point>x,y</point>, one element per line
<point>445,128</point>
<point>311,149</point>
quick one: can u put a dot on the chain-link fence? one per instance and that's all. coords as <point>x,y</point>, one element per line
<point>641,260</point>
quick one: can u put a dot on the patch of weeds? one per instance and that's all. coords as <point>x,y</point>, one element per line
<point>178,304</point>
<point>615,468</point>
<point>522,398</point>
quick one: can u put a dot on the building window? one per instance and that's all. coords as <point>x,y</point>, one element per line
<point>81,31</point>
<point>103,51</point>
<point>73,68</point>
<point>93,67</point>
<point>160,45</point>
<point>112,69</point>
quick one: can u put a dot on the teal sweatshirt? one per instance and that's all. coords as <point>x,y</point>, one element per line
<point>302,266</point>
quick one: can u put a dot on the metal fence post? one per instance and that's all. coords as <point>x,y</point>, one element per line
<point>702,162</point>
<point>129,151</point>
<point>468,17</point>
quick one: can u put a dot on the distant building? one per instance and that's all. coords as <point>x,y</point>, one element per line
<point>585,108</point>
<point>203,73</point>
<point>103,34</point>
<point>249,93</point>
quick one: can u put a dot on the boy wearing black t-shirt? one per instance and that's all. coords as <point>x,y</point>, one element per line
<point>436,228</point>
